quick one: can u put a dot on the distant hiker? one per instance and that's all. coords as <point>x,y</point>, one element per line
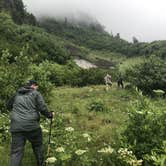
<point>108,81</point>
<point>25,107</point>
<point>120,82</point>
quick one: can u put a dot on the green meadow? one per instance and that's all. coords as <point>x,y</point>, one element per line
<point>98,114</point>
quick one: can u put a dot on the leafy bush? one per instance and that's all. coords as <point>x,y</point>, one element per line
<point>4,129</point>
<point>41,73</point>
<point>146,129</point>
<point>12,75</point>
<point>158,156</point>
<point>71,74</point>
<point>16,73</point>
<point>97,106</point>
<point>149,75</point>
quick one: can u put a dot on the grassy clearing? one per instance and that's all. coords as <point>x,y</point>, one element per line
<point>130,62</point>
<point>73,104</point>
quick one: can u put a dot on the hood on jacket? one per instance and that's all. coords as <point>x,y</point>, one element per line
<point>24,90</point>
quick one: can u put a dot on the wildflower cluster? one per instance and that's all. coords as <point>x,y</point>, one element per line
<point>51,160</point>
<point>128,156</point>
<point>80,152</point>
<point>69,129</point>
<point>124,152</point>
<point>86,135</point>
<point>107,150</point>
<point>60,149</point>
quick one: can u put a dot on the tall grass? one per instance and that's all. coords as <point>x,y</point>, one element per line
<point>73,105</point>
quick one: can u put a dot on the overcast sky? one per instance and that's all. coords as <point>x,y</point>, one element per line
<point>144,19</point>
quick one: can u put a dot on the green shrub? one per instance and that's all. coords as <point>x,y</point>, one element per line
<point>146,129</point>
<point>97,106</point>
<point>149,75</point>
<point>41,74</point>
<point>12,75</point>
<point>16,73</point>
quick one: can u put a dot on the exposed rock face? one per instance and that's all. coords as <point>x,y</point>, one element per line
<point>84,64</point>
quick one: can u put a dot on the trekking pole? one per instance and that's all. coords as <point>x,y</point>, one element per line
<point>49,141</point>
<point>49,138</point>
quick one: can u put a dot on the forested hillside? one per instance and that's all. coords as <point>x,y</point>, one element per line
<point>18,12</point>
<point>67,38</point>
<point>61,40</point>
<point>94,36</point>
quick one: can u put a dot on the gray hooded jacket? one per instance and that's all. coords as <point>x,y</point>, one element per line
<point>26,107</point>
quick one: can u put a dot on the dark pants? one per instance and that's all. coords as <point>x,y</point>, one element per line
<point>17,146</point>
<point>120,83</point>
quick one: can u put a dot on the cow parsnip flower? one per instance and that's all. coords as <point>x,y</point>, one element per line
<point>45,130</point>
<point>69,129</point>
<point>108,150</point>
<point>60,149</point>
<point>124,152</point>
<point>86,135</point>
<point>51,160</point>
<point>80,152</point>
<point>42,127</point>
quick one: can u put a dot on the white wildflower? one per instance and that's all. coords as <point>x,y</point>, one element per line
<point>89,139</point>
<point>69,129</point>
<point>60,149</point>
<point>106,150</point>
<point>42,127</point>
<point>124,151</point>
<point>80,152</point>
<point>51,160</point>
<point>139,162</point>
<point>52,142</point>
<point>45,130</point>
<point>86,135</point>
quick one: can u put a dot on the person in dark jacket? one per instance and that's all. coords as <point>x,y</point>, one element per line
<point>26,106</point>
<point>120,82</point>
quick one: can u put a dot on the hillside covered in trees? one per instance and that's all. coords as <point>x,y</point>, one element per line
<point>94,36</point>
<point>64,37</point>
<point>62,40</point>
<point>17,10</point>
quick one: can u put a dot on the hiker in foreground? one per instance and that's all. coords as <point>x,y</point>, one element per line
<point>26,106</point>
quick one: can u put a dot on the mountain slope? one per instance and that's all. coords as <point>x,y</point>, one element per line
<point>92,36</point>
<point>14,37</point>
<point>18,12</point>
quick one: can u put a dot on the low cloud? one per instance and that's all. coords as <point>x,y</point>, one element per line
<point>144,19</point>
